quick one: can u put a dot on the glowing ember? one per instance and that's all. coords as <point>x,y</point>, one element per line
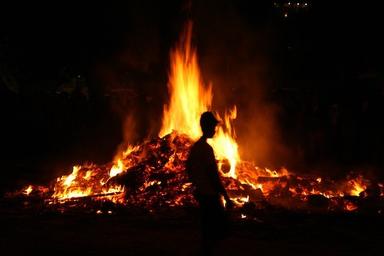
<point>358,186</point>
<point>28,190</point>
<point>349,206</point>
<point>84,181</point>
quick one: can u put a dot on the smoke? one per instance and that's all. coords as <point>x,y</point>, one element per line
<point>132,72</point>
<point>234,54</point>
<point>236,57</point>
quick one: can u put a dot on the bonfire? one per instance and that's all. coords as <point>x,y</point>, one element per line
<point>152,175</point>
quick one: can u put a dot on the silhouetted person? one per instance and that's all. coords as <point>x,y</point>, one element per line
<point>203,172</point>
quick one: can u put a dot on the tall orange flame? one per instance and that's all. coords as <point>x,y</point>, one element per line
<point>224,142</point>
<point>189,98</point>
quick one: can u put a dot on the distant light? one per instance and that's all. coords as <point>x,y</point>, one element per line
<point>298,4</point>
<point>285,15</point>
<point>289,3</point>
<point>305,4</point>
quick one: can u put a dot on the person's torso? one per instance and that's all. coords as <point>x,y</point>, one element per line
<point>200,163</point>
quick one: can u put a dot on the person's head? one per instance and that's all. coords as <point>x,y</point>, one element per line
<point>208,124</point>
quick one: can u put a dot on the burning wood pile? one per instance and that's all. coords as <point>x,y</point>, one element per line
<point>152,175</point>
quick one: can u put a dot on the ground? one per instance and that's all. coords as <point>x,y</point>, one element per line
<point>176,233</point>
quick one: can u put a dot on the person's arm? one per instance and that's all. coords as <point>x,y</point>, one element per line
<point>216,180</point>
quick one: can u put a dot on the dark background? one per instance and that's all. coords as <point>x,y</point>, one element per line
<point>79,79</point>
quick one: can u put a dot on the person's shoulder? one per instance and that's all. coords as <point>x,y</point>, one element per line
<point>201,145</point>
<point>206,148</point>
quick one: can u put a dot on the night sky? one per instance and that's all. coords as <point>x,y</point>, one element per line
<point>326,41</point>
